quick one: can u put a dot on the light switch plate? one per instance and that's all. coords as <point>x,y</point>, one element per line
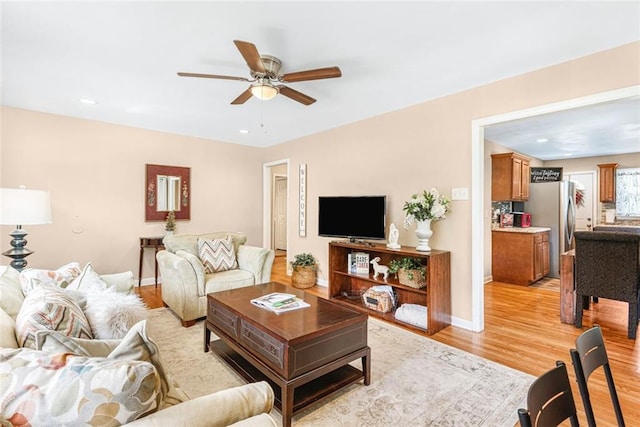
<point>460,193</point>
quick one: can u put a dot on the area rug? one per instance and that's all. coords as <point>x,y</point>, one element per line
<point>415,381</point>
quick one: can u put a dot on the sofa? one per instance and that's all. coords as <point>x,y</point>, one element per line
<point>618,228</point>
<point>607,265</point>
<point>68,386</point>
<point>185,282</point>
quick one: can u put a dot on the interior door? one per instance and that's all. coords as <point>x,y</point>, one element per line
<point>585,211</point>
<point>280,213</point>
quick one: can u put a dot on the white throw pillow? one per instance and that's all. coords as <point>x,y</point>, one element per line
<point>87,280</point>
<point>111,313</point>
<point>31,277</point>
<point>217,254</point>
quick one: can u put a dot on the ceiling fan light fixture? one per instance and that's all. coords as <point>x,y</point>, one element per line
<point>263,91</point>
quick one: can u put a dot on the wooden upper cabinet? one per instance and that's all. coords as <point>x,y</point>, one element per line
<point>509,177</point>
<point>526,178</point>
<point>608,182</point>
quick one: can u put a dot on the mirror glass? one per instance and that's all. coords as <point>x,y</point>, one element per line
<point>167,189</point>
<point>168,193</point>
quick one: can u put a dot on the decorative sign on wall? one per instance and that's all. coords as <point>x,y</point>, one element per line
<point>302,222</point>
<point>546,175</point>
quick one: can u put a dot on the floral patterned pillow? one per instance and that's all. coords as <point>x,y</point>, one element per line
<point>38,388</point>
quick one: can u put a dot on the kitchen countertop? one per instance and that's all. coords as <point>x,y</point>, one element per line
<point>527,230</point>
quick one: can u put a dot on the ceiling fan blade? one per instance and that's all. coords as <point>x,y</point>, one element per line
<point>250,54</point>
<point>214,76</point>
<point>320,73</point>
<point>244,96</point>
<point>295,95</point>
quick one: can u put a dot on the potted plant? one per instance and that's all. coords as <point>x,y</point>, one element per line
<point>304,273</point>
<point>170,224</point>
<point>409,272</point>
<point>424,208</point>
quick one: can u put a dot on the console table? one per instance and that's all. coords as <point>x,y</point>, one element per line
<point>149,242</point>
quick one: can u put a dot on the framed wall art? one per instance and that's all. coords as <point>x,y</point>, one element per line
<point>302,199</point>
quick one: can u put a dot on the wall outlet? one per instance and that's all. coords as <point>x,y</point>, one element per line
<point>460,193</point>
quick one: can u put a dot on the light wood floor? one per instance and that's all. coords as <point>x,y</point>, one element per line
<point>523,331</point>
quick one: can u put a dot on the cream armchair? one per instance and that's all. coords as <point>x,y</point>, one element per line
<point>184,283</point>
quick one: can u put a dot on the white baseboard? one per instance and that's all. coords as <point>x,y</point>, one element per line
<point>462,323</point>
<point>488,279</point>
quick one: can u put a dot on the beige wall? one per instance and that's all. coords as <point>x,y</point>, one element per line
<point>95,171</point>
<point>429,145</point>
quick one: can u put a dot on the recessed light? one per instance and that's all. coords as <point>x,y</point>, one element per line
<point>244,131</point>
<point>541,140</point>
<point>88,101</point>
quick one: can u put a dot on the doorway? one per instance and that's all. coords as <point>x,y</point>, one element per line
<point>586,206</point>
<point>275,178</point>
<point>481,203</point>
<point>280,187</point>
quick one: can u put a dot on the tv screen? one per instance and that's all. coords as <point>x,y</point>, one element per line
<point>360,217</point>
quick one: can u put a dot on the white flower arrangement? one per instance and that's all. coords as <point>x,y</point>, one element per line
<point>428,205</point>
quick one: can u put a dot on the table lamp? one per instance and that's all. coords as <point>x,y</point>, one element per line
<point>19,206</point>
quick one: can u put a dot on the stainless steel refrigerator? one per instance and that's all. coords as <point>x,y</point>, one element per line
<point>553,204</point>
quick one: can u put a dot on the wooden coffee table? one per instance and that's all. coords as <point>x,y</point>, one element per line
<point>304,354</point>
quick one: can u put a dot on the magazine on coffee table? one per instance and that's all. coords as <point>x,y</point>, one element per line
<point>279,302</point>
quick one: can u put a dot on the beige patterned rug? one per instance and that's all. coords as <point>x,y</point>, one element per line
<point>415,381</point>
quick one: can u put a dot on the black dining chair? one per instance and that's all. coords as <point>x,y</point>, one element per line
<point>550,400</point>
<point>589,355</point>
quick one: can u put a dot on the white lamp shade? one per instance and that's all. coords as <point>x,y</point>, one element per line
<point>263,91</point>
<point>24,207</point>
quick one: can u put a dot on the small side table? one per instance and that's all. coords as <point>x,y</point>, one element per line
<point>149,242</point>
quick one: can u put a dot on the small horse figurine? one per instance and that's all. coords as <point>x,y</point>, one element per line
<point>379,269</point>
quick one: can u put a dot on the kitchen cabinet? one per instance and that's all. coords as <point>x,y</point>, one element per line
<point>520,255</point>
<point>541,255</point>
<point>510,175</point>
<point>608,182</point>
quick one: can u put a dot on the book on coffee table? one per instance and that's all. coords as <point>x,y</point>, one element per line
<point>280,302</point>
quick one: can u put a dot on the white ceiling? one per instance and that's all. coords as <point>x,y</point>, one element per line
<point>596,130</point>
<point>125,55</point>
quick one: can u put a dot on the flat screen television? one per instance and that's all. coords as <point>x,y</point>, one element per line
<point>352,217</point>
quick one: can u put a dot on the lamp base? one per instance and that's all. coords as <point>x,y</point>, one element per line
<point>19,252</point>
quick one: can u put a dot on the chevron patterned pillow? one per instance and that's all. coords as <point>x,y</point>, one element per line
<point>217,254</point>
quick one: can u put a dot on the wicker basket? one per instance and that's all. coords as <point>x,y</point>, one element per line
<point>412,278</point>
<point>303,277</point>
<point>378,301</point>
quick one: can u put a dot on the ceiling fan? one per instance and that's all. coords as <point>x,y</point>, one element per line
<point>266,77</point>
